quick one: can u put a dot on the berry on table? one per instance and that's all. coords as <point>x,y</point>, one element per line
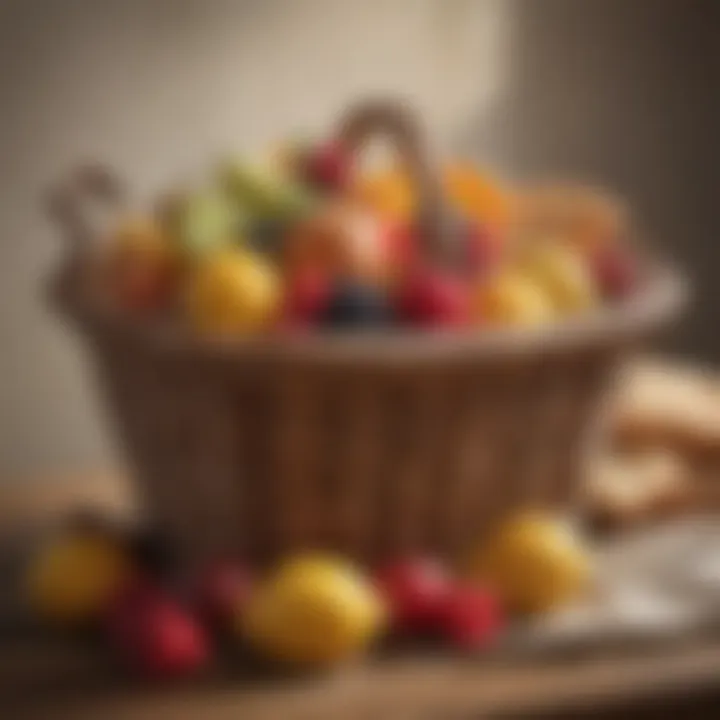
<point>154,635</point>
<point>415,590</point>
<point>471,617</point>
<point>221,591</point>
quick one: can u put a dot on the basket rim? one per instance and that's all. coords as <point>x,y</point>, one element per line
<point>660,300</point>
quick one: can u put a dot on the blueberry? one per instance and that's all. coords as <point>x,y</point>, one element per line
<point>353,305</point>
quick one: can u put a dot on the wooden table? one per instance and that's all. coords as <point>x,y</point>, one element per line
<point>44,679</point>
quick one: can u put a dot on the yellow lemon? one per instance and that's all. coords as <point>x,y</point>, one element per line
<point>73,578</point>
<point>313,611</point>
<point>535,562</point>
<point>233,292</point>
<point>512,298</point>
<point>564,274</point>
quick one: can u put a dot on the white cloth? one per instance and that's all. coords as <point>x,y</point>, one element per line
<point>649,585</point>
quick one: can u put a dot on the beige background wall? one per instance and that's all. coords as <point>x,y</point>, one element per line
<point>161,86</point>
<point>616,90</point>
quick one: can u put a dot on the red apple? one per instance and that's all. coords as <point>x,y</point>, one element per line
<point>221,592</point>
<point>470,618</point>
<point>155,636</point>
<point>415,591</point>
<point>429,297</point>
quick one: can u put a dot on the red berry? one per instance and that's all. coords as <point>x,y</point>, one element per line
<point>154,635</point>
<point>306,298</point>
<point>471,617</point>
<point>430,298</point>
<point>329,166</point>
<point>415,591</point>
<point>615,271</point>
<point>221,592</point>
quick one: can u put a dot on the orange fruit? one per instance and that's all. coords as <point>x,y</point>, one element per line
<point>475,194</point>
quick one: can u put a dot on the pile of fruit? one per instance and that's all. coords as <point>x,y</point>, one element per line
<point>311,241</point>
<point>311,611</point>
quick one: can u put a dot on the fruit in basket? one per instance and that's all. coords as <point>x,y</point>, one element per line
<point>327,166</point>
<point>615,270</point>
<point>355,305</point>
<point>341,239</point>
<point>207,222</point>
<point>473,194</point>
<point>586,218</point>
<point>512,298</point>
<point>264,193</point>
<point>221,592</point>
<point>305,300</point>
<point>312,611</point>
<point>429,297</point>
<point>535,562</point>
<point>564,274</point>
<point>74,576</point>
<point>233,292</point>
<point>154,635</point>
<point>471,617</point>
<point>143,265</point>
<point>484,249</point>
<point>416,592</point>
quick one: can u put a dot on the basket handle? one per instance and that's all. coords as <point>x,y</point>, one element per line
<point>74,204</point>
<point>400,124</point>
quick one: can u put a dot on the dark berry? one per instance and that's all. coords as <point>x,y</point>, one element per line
<point>354,305</point>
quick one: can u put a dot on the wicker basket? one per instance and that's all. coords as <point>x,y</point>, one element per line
<point>368,444</point>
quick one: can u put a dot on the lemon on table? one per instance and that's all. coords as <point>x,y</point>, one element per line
<point>233,292</point>
<point>313,611</point>
<point>535,562</point>
<point>512,298</point>
<point>74,576</point>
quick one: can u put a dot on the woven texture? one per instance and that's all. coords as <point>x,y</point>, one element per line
<point>370,444</point>
<point>373,462</point>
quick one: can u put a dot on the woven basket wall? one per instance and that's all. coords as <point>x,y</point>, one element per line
<point>369,461</point>
<point>372,444</point>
